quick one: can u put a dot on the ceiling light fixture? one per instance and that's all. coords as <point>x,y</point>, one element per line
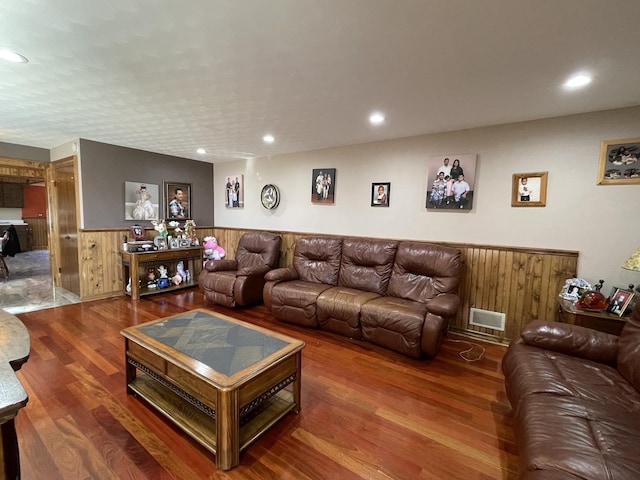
<point>376,118</point>
<point>268,138</point>
<point>12,56</point>
<point>201,151</point>
<point>579,80</point>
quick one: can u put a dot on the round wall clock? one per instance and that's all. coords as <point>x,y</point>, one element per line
<point>270,196</point>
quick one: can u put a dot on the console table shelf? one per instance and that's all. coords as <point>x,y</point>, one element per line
<point>135,265</point>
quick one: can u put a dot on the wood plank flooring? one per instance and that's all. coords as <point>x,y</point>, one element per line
<point>367,413</point>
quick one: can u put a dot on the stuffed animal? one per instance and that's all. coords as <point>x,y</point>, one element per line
<point>212,251</point>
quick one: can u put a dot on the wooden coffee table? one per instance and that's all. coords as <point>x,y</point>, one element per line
<point>223,381</point>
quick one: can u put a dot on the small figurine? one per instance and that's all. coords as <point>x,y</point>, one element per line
<point>176,279</point>
<point>181,271</point>
<point>151,278</point>
<point>163,281</point>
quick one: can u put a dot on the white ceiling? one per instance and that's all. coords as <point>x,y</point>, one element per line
<point>170,76</point>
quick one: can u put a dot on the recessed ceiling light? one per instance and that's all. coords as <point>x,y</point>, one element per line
<point>268,138</point>
<point>376,118</point>
<point>201,151</point>
<point>12,56</point>
<point>579,80</point>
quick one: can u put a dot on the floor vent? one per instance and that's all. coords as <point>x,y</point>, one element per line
<point>487,319</point>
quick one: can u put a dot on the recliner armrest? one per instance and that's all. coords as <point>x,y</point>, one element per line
<point>282,275</point>
<point>220,265</point>
<point>572,340</point>
<point>446,305</point>
<point>253,271</point>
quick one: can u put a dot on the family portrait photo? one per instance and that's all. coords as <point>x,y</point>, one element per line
<point>450,181</point>
<point>323,184</point>
<point>234,191</point>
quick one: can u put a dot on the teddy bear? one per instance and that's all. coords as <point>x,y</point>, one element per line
<point>212,251</point>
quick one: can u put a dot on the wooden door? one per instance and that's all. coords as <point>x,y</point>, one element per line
<point>64,219</point>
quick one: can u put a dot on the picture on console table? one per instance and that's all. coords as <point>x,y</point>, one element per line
<point>323,185</point>
<point>450,182</point>
<point>619,163</point>
<point>177,200</point>
<point>141,201</point>
<point>234,191</point>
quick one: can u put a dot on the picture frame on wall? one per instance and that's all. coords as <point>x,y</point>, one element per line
<point>141,201</point>
<point>529,189</point>
<point>380,194</point>
<point>177,200</point>
<point>619,162</point>
<point>234,191</point>
<point>451,182</point>
<point>323,185</point>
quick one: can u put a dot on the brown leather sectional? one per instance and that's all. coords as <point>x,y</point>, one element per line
<point>575,394</point>
<point>397,294</point>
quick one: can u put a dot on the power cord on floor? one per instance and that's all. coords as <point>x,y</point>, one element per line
<point>464,352</point>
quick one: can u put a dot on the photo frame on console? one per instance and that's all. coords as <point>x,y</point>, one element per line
<point>380,194</point>
<point>619,162</point>
<point>177,200</point>
<point>620,301</point>
<point>529,189</point>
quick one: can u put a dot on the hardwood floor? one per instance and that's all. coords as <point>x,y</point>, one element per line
<point>367,413</point>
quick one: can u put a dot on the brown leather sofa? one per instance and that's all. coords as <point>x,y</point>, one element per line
<point>397,294</point>
<point>239,282</point>
<point>575,394</point>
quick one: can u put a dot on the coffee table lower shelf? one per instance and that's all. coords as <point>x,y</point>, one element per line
<point>202,427</point>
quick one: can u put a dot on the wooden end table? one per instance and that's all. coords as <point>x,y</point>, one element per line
<point>597,319</point>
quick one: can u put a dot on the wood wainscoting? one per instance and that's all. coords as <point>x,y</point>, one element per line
<point>522,283</point>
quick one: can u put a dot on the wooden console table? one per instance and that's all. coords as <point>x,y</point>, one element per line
<point>136,264</point>
<point>596,319</point>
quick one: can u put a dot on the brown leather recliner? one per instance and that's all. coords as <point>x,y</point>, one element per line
<point>240,282</point>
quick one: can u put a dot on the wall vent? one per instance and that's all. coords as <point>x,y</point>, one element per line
<point>487,319</point>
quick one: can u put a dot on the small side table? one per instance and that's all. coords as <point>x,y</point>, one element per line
<point>596,319</point>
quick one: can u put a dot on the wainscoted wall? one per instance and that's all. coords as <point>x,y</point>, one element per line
<point>522,283</point>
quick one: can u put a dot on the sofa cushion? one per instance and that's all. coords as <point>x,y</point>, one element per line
<point>295,301</point>
<point>339,310</point>
<point>367,263</point>
<point>423,270</point>
<point>317,259</point>
<point>629,349</point>
<point>394,323</point>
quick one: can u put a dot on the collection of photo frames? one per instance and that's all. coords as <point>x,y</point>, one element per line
<point>142,201</point>
<point>450,185</point>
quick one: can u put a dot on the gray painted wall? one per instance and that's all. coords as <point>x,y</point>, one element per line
<point>23,152</point>
<point>104,168</point>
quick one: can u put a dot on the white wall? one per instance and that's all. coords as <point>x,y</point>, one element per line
<point>599,221</point>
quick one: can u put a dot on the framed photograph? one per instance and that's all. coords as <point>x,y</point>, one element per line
<point>380,192</point>
<point>619,162</point>
<point>137,233</point>
<point>161,242</point>
<point>619,302</point>
<point>529,189</point>
<point>177,200</point>
<point>323,185</point>
<point>450,182</point>
<point>234,191</point>
<point>141,201</point>
<point>174,242</point>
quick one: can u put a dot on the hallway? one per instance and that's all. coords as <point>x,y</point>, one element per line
<point>30,286</point>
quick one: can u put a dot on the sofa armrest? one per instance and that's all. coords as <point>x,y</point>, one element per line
<point>253,271</point>
<point>281,275</point>
<point>446,305</point>
<point>572,340</point>
<point>220,265</point>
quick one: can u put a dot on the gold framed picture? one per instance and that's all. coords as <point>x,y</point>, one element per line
<point>619,163</point>
<point>529,189</point>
